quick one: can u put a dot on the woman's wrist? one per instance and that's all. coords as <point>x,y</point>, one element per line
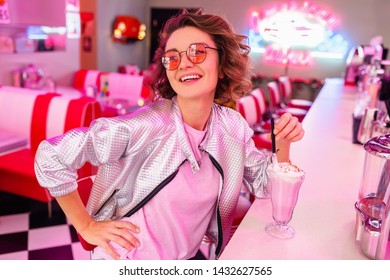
<point>283,152</point>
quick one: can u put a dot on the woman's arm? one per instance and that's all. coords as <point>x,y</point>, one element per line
<point>58,159</point>
<point>56,164</point>
<point>94,232</point>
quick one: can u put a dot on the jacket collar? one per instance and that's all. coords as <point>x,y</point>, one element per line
<point>206,145</point>
<point>182,137</point>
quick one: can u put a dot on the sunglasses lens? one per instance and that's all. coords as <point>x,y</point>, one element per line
<point>171,60</point>
<point>196,53</point>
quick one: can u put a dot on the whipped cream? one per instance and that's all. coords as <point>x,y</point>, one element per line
<point>286,169</point>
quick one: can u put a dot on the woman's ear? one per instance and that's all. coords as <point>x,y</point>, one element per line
<point>221,75</point>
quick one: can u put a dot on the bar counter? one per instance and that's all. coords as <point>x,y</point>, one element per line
<point>324,217</point>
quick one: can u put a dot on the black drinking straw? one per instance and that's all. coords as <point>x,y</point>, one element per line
<point>273,135</point>
<point>274,158</point>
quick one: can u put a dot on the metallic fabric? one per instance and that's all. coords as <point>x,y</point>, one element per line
<point>137,153</point>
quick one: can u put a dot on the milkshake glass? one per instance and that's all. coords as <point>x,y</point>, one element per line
<point>285,182</point>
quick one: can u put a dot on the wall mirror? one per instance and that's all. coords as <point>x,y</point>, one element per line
<point>32,38</point>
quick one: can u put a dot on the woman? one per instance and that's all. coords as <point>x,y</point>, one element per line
<point>172,171</point>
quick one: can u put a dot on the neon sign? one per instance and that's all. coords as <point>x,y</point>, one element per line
<point>293,33</point>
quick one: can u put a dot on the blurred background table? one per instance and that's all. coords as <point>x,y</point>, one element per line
<point>324,217</point>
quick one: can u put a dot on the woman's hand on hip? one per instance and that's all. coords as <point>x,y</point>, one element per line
<point>102,232</point>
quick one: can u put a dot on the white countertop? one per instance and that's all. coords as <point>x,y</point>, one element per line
<point>324,217</point>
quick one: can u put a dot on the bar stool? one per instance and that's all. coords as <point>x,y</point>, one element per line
<point>278,107</point>
<point>254,110</point>
<point>286,93</point>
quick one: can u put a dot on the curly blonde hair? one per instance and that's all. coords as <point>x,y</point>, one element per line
<point>233,56</point>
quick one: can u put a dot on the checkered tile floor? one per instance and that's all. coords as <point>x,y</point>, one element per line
<point>27,233</point>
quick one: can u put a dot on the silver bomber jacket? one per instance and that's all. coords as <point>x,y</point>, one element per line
<point>140,153</point>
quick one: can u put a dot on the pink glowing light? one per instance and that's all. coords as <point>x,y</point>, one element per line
<point>307,9</point>
<point>283,56</point>
<point>291,29</point>
<point>295,33</point>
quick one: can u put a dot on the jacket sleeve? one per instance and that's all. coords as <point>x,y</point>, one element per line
<point>58,159</point>
<point>255,169</point>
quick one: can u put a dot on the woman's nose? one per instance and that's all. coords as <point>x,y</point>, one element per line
<point>184,61</point>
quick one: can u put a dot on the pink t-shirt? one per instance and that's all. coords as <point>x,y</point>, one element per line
<point>173,223</point>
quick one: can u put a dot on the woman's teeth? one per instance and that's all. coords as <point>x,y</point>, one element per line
<point>190,77</point>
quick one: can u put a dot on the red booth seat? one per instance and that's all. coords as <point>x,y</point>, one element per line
<point>84,78</point>
<point>39,116</point>
<point>124,88</point>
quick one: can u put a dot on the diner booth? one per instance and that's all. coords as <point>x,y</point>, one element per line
<point>342,210</point>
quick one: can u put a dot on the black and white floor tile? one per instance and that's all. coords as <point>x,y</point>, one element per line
<point>27,232</point>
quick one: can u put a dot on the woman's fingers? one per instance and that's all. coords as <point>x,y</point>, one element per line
<point>298,135</point>
<point>284,126</point>
<point>120,232</point>
<point>288,128</point>
<point>294,133</point>
<point>106,246</point>
<point>125,238</point>
<point>282,122</point>
<point>127,225</point>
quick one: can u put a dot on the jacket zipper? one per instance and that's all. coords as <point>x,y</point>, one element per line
<point>105,202</point>
<point>165,182</point>
<point>219,221</point>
